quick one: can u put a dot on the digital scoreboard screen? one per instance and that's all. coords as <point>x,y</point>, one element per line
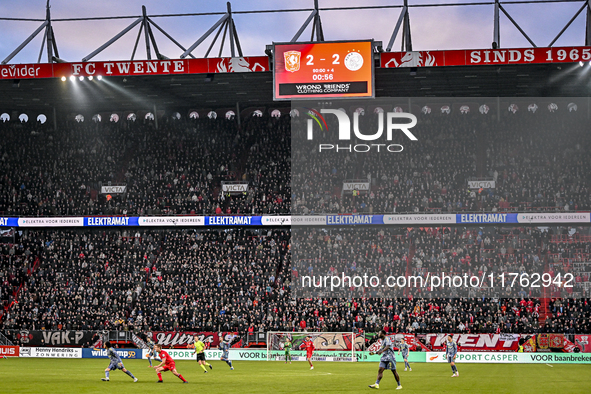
<point>323,70</point>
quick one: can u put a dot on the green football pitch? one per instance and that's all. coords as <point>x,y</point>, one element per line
<point>19,375</point>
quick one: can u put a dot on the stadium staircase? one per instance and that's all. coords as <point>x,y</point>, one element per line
<point>5,341</point>
<point>411,255</point>
<point>139,342</point>
<point>481,145</point>
<point>545,300</point>
<point>147,279</point>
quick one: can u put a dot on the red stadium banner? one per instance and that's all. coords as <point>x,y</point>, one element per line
<point>174,339</point>
<point>238,64</point>
<point>485,57</point>
<point>138,68</point>
<point>410,340</point>
<point>556,341</point>
<point>477,342</point>
<point>583,342</point>
<point>26,71</point>
<point>9,351</point>
<point>569,347</point>
<point>198,66</point>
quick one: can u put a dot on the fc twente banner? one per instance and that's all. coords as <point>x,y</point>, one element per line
<point>174,339</point>
<point>583,342</point>
<point>138,68</point>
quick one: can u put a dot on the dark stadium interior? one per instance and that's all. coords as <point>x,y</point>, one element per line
<point>178,93</point>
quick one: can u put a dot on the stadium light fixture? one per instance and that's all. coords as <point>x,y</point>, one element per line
<point>99,77</point>
<point>72,78</point>
<point>90,78</point>
<point>64,79</point>
<point>581,64</point>
<point>81,78</point>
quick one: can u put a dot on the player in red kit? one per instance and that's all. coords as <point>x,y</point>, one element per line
<point>309,346</point>
<point>167,364</point>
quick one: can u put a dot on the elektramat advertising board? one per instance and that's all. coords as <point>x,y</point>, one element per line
<point>323,70</point>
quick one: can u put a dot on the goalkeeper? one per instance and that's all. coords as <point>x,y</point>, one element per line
<point>287,346</point>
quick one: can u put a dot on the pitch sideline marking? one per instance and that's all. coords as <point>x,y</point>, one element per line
<point>550,365</point>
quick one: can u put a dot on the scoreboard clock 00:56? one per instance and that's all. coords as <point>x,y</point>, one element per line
<point>323,70</point>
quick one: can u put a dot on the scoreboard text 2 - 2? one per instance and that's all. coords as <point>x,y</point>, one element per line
<point>323,70</point>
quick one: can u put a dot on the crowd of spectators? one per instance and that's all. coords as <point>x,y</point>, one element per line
<point>428,174</point>
<point>540,161</point>
<point>244,280</point>
<point>268,167</point>
<point>387,252</point>
<point>18,260</point>
<point>248,280</point>
<point>176,169</point>
<point>57,173</point>
<point>537,161</point>
<point>85,280</point>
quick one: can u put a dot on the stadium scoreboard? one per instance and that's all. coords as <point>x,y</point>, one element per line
<point>323,70</point>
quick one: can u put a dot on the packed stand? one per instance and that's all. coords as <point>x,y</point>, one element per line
<point>167,280</point>
<point>267,168</point>
<point>18,260</point>
<point>244,280</point>
<point>176,169</point>
<point>57,173</point>
<point>86,280</point>
<point>428,175</point>
<point>538,162</point>
<point>386,252</point>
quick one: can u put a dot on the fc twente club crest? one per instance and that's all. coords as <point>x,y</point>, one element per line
<point>292,60</point>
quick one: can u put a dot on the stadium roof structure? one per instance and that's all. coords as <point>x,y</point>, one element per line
<point>223,89</point>
<point>178,93</point>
